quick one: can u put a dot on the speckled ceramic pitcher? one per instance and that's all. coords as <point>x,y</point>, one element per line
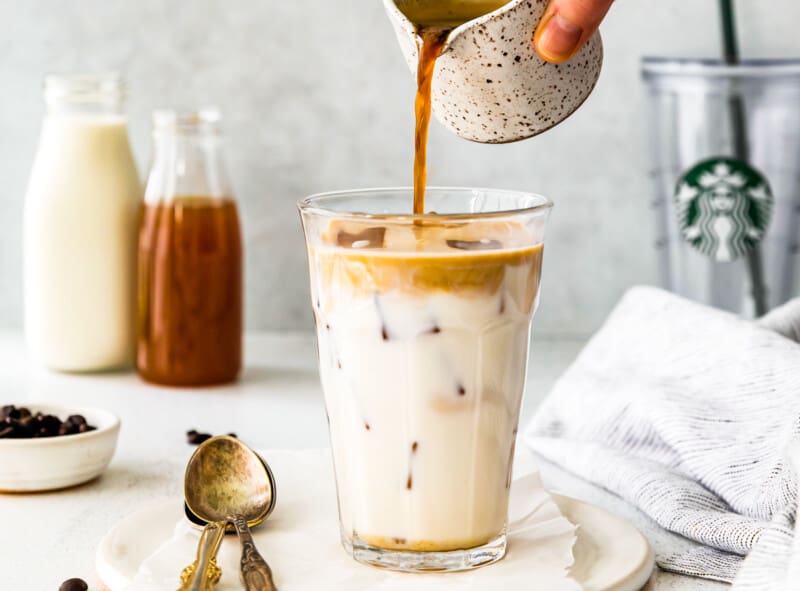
<point>490,84</point>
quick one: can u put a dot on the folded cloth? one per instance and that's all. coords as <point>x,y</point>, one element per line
<point>692,415</point>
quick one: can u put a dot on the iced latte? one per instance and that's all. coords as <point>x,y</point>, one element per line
<point>423,326</point>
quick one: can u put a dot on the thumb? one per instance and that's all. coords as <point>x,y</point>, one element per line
<point>566,26</point>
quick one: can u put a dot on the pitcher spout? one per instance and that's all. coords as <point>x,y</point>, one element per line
<point>456,17</point>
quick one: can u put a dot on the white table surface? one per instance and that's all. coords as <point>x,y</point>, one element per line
<point>276,405</point>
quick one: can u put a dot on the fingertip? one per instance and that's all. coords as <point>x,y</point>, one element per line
<point>547,56</point>
<point>557,39</point>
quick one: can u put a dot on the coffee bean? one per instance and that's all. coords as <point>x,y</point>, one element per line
<point>50,424</point>
<point>195,438</point>
<point>21,423</point>
<point>74,585</point>
<point>24,428</point>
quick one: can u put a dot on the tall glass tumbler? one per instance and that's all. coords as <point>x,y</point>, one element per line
<point>423,324</point>
<point>694,108</point>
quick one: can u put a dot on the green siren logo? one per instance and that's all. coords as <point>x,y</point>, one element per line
<point>724,208</point>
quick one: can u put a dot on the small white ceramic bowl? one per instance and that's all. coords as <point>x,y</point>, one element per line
<point>35,465</point>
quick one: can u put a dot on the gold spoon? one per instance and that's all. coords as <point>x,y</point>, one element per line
<point>227,483</point>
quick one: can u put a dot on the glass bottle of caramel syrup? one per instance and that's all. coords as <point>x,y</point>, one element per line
<point>190,258</point>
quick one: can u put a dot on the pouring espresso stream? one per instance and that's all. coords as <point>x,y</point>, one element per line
<point>434,21</point>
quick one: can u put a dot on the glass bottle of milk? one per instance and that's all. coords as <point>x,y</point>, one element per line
<point>81,219</point>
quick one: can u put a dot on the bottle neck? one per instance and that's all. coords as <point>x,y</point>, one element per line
<point>187,160</point>
<point>85,95</point>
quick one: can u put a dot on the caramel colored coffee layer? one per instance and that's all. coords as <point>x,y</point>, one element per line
<point>458,258</point>
<point>381,272</point>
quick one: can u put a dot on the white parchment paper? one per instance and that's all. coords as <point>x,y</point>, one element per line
<point>301,543</point>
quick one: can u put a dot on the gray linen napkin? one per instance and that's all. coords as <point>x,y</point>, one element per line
<point>693,416</point>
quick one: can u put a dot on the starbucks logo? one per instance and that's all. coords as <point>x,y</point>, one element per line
<point>724,208</point>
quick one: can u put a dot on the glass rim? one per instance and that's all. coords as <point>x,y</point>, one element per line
<point>311,205</point>
<point>717,68</point>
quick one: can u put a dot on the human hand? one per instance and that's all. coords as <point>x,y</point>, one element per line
<point>566,26</point>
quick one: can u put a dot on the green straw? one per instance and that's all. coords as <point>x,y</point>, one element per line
<point>730,47</point>
<point>729,40</point>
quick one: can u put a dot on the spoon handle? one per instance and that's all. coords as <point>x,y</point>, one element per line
<point>256,574</point>
<point>199,577</point>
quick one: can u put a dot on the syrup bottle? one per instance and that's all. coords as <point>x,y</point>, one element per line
<point>190,258</point>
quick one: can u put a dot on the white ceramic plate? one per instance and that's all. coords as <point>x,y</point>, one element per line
<point>610,554</point>
<point>34,465</point>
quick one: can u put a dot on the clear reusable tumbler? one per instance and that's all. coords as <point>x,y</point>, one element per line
<point>423,325</point>
<point>722,224</point>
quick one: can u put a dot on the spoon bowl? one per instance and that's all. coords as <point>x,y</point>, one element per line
<point>199,523</point>
<point>226,477</point>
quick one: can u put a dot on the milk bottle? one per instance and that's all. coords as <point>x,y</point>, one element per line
<point>81,219</point>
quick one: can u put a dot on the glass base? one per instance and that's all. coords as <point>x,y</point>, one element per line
<point>421,562</point>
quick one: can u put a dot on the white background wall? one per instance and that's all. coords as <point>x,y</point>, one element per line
<point>317,97</point>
